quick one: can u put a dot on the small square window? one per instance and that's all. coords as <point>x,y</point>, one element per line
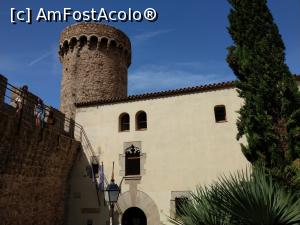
<point>179,204</point>
<point>220,113</point>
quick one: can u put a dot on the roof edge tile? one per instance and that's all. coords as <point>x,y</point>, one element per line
<point>160,94</point>
<point>163,94</point>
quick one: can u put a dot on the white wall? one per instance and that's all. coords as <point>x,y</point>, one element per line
<point>184,146</point>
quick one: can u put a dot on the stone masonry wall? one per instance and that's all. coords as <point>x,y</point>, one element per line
<point>95,59</point>
<point>34,171</point>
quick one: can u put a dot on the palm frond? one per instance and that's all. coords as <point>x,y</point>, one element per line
<point>244,198</point>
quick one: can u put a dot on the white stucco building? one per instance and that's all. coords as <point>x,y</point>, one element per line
<point>181,147</point>
<point>163,144</point>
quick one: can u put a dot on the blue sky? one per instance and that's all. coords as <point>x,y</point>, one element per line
<point>186,46</point>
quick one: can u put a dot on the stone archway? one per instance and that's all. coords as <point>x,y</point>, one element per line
<point>134,216</point>
<point>142,201</point>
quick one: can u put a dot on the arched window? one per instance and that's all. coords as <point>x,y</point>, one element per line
<point>93,42</point>
<point>103,43</point>
<point>113,43</point>
<point>82,40</point>
<point>141,120</point>
<point>220,113</point>
<point>132,161</point>
<point>73,42</point>
<point>124,122</point>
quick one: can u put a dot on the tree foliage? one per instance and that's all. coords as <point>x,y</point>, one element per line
<point>270,116</point>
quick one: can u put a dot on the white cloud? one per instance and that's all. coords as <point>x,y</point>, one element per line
<point>177,75</point>
<point>40,58</point>
<point>149,35</point>
<point>49,59</point>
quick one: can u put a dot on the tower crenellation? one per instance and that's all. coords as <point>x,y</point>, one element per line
<point>95,59</point>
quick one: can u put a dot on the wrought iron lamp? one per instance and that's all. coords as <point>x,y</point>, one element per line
<point>111,195</point>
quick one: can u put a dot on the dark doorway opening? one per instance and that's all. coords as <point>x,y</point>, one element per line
<point>134,216</point>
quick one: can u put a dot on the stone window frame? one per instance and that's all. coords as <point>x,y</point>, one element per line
<point>174,195</point>
<point>142,161</point>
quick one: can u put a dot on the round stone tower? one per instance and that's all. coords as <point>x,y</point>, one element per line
<point>95,59</point>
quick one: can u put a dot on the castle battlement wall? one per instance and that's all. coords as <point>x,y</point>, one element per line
<point>107,38</point>
<point>34,164</point>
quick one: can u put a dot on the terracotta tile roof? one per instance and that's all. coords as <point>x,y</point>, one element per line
<point>163,94</point>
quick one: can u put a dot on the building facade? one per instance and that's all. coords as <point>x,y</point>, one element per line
<point>163,144</point>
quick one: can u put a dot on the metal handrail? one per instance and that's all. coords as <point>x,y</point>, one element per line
<point>83,136</point>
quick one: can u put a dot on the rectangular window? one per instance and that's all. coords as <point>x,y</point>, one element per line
<point>220,113</point>
<point>132,161</point>
<point>132,165</point>
<point>179,203</point>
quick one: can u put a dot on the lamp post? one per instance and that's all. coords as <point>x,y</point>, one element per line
<point>112,192</point>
